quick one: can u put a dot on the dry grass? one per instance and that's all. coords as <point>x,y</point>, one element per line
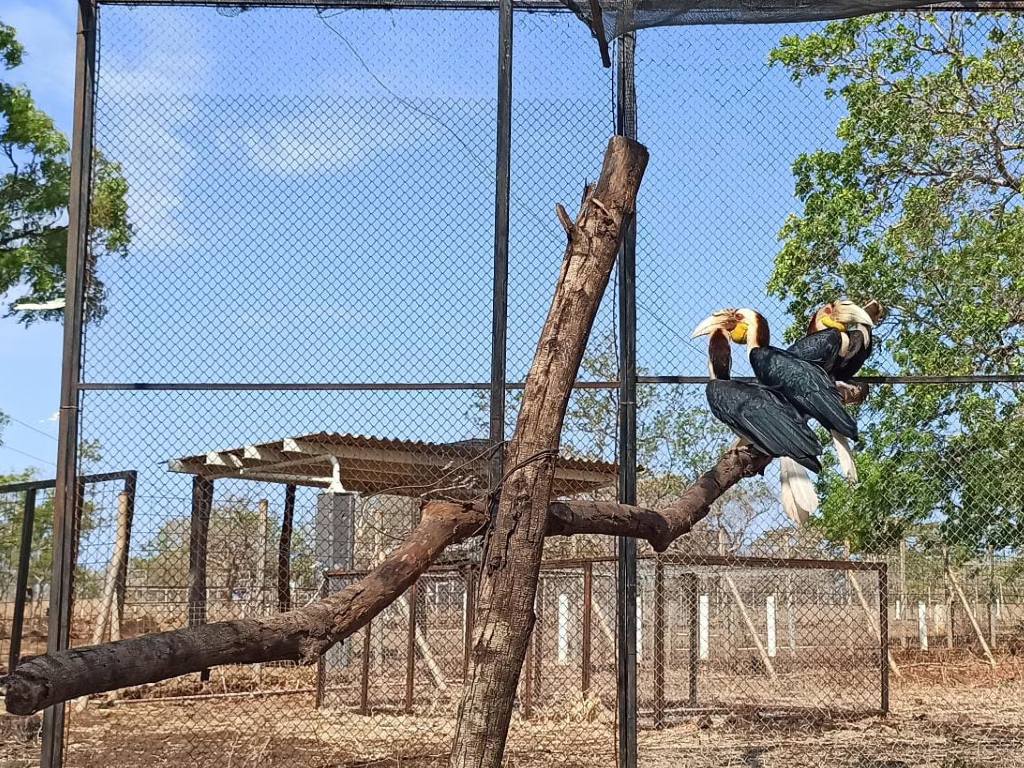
<point>955,713</point>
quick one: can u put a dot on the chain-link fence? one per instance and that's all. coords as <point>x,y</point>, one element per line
<point>105,505</point>
<point>297,346</point>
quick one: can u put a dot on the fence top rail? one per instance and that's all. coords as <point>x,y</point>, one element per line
<point>456,5</point>
<point>36,485</point>
<point>729,561</point>
<point>419,386</point>
<point>538,5</point>
<point>744,561</point>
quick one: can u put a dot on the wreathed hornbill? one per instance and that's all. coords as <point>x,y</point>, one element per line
<point>766,420</point>
<point>805,385</point>
<point>839,341</point>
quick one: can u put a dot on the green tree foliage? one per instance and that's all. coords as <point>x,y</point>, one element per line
<point>12,513</point>
<point>11,516</point>
<point>241,554</point>
<point>919,206</point>
<point>34,189</point>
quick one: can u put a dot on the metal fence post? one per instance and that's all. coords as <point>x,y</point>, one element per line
<point>410,649</point>
<point>588,598</point>
<point>883,633</point>
<point>626,589</point>
<point>502,191</point>
<point>659,644</point>
<point>364,675</point>
<point>202,507</point>
<point>21,589</point>
<point>66,495</point>
<point>469,618</point>
<point>693,604</point>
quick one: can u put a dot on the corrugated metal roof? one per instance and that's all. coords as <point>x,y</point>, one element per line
<point>367,464</point>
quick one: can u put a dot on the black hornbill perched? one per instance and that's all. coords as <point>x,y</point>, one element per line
<point>839,341</point>
<point>805,385</point>
<point>768,421</point>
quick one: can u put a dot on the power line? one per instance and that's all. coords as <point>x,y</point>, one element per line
<point>26,425</point>
<point>23,453</point>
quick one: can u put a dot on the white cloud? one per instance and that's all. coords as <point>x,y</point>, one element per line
<point>55,416</point>
<point>313,143</point>
<point>147,59</point>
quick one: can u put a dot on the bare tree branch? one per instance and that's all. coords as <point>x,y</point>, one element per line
<point>304,634</point>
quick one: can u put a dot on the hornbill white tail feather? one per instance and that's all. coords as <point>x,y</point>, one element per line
<point>845,454</point>
<point>799,498</point>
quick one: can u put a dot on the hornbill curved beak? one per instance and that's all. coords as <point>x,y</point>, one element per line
<point>845,311</point>
<point>725,319</point>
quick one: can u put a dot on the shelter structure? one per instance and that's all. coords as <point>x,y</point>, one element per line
<point>346,466</point>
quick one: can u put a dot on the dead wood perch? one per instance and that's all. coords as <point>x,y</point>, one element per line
<point>302,635</point>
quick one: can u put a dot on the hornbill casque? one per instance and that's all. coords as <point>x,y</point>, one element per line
<point>804,384</point>
<point>766,420</point>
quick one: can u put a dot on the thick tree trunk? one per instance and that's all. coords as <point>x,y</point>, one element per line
<point>515,542</point>
<point>306,633</point>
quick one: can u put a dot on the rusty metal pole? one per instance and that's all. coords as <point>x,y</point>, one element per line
<point>364,678</point>
<point>410,649</point>
<point>659,644</point>
<point>21,590</point>
<point>883,633</point>
<point>588,596</point>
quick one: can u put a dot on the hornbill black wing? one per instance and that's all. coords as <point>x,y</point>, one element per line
<point>856,354</point>
<point>821,348</point>
<point>806,386</point>
<point>764,418</point>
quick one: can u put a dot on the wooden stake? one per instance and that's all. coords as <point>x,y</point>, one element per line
<point>970,616</point>
<point>751,629</point>
<point>108,603</point>
<point>852,577</point>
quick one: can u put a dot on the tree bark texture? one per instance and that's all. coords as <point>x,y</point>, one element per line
<point>515,539</point>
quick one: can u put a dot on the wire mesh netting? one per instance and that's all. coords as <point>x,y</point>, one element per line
<point>295,351</point>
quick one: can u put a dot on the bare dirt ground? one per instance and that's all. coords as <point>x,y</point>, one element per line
<point>956,714</point>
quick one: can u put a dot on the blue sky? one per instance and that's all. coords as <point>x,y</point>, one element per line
<point>312,202</point>
<point>30,359</point>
